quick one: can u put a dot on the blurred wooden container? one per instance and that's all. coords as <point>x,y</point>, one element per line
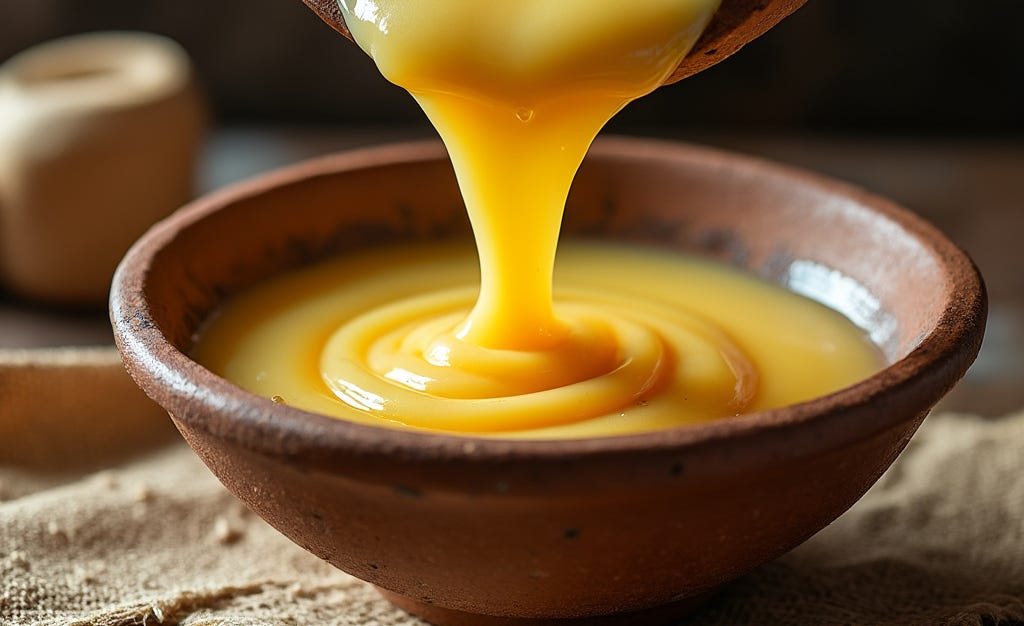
<point>99,136</point>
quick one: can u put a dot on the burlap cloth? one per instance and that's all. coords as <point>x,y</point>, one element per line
<point>155,539</point>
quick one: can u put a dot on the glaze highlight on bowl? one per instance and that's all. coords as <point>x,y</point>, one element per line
<point>466,530</point>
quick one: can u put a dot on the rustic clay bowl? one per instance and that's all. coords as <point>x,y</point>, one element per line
<point>457,528</point>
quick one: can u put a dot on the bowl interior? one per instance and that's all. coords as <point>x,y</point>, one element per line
<point>920,297</point>
<point>854,252</point>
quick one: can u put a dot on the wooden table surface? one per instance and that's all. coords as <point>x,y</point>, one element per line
<point>973,190</point>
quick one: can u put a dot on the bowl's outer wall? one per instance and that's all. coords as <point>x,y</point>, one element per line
<point>614,551</point>
<point>551,529</point>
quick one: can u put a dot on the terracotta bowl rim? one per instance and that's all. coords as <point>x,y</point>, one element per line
<point>225,410</point>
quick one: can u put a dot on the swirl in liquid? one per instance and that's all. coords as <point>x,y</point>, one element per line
<point>518,90</point>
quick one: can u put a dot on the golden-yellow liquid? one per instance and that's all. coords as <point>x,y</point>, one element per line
<point>518,89</point>
<point>700,342</point>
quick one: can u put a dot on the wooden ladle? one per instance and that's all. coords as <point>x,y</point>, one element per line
<point>736,23</point>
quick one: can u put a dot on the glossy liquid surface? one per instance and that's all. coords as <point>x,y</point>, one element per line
<point>518,90</point>
<point>702,341</point>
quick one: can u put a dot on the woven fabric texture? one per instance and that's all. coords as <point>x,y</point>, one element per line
<point>155,539</point>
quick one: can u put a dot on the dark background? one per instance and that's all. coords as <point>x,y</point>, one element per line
<point>918,67</point>
<point>918,100</point>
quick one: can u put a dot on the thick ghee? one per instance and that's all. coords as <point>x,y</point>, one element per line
<point>625,341</point>
<point>694,341</point>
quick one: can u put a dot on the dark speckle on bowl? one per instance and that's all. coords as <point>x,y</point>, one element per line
<point>409,492</point>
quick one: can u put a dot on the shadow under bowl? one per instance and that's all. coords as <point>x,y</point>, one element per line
<point>467,530</point>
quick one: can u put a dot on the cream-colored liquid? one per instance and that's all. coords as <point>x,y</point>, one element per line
<point>518,89</point>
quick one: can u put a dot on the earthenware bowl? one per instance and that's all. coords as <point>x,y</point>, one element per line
<point>480,531</point>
